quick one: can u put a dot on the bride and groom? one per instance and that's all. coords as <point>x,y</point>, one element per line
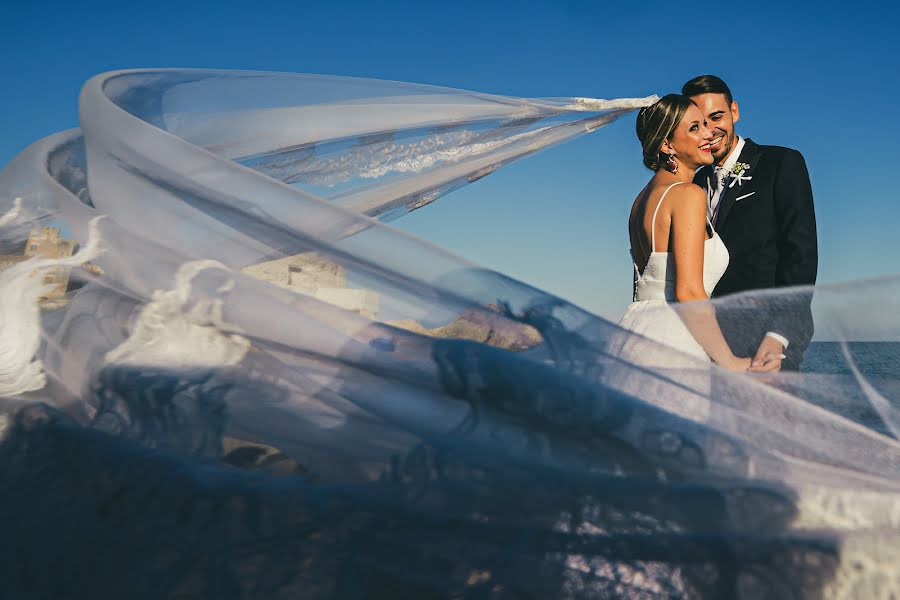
<point>720,215</point>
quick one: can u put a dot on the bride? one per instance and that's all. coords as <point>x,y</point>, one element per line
<point>682,256</point>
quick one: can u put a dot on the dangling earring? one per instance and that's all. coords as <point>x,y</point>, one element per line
<point>671,163</point>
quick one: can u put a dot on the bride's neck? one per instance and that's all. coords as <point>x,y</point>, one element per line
<point>684,174</point>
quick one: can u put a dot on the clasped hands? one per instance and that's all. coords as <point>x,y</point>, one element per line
<point>768,357</point>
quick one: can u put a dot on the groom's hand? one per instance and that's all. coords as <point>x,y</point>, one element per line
<point>769,356</point>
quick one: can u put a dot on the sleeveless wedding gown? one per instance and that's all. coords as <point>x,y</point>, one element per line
<point>654,356</point>
<point>652,316</point>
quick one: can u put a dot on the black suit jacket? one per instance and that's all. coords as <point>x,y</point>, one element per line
<point>768,224</point>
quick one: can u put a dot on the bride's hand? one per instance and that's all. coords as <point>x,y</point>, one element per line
<point>737,364</point>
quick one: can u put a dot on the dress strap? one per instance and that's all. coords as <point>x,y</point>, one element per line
<point>653,220</point>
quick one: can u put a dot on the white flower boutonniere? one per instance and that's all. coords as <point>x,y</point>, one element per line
<point>738,175</point>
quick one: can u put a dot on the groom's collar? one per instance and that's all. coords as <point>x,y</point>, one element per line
<point>733,156</point>
<point>750,152</point>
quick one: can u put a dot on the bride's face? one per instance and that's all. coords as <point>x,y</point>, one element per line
<point>691,140</point>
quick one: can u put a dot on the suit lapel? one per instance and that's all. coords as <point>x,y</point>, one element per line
<point>703,178</point>
<point>750,155</point>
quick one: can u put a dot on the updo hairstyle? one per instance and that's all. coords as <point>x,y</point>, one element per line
<point>655,125</point>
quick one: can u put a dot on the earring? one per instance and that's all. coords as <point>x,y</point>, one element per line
<point>671,163</point>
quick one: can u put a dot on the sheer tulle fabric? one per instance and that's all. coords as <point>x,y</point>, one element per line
<point>253,388</point>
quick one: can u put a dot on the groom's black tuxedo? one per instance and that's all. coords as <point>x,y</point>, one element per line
<point>768,224</point>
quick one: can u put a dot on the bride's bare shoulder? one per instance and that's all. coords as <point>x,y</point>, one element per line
<point>689,196</point>
<point>685,195</point>
<point>688,190</point>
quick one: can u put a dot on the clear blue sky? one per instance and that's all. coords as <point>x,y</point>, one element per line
<point>820,78</point>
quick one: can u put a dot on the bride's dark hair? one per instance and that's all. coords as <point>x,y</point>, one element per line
<point>656,123</point>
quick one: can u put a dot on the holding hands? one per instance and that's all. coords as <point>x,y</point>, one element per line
<point>768,357</point>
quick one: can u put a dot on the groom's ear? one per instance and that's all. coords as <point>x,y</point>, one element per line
<point>735,112</point>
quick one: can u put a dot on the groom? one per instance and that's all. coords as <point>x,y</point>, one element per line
<point>761,204</point>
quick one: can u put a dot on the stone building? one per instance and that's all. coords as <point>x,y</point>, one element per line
<point>317,276</point>
<point>45,243</point>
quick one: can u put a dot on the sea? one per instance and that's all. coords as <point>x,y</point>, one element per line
<point>879,359</point>
<point>846,377</point>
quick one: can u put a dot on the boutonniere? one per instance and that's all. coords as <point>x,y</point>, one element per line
<point>738,175</point>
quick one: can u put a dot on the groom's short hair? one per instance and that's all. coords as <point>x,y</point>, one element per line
<point>706,84</point>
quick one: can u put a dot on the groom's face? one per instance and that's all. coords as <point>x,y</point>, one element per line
<point>720,119</point>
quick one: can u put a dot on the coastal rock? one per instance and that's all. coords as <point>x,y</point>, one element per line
<point>489,328</point>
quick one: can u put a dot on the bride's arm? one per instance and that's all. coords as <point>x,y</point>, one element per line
<point>688,235</point>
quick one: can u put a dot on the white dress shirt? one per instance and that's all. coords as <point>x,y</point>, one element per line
<point>722,174</point>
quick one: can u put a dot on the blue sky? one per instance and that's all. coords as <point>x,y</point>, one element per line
<point>820,78</point>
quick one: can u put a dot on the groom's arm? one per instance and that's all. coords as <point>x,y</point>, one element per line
<point>798,255</point>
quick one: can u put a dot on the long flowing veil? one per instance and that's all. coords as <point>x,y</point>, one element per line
<point>224,376</point>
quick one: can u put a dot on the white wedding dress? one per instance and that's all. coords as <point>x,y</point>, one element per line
<point>651,314</point>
